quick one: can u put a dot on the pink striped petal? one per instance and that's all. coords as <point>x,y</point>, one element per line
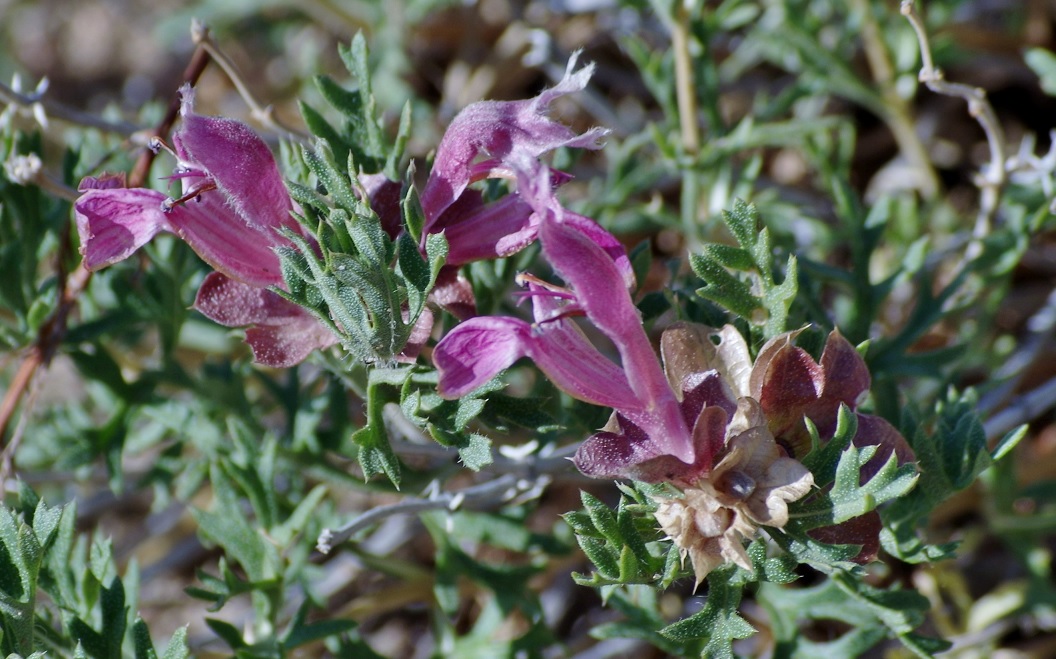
<point>283,334</point>
<point>115,222</point>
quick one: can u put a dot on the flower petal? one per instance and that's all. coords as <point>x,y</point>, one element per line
<point>224,241</point>
<point>846,375</point>
<point>497,129</point>
<point>618,455</point>
<point>625,451</point>
<point>477,350</point>
<point>283,335</point>
<point>601,293</point>
<point>787,382</point>
<point>863,530</point>
<point>454,294</point>
<point>689,348</point>
<point>232,303</point>
<point>239,162</point>
<point>384,196</point>
<point>115,222</point>
<point>706,389</point>
<point>104,181</point>
<point>876,431</point>
<point>476,231</point>
<point>419,335</point>
<point>480,348</point>
<point>289,344</point>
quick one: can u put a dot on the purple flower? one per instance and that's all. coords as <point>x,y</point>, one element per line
<point>651,425</point>
<point>232,206</point>
<point>486,140</point>
<point>790,386</point>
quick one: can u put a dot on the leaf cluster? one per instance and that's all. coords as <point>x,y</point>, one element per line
<point>60,594</point>
<point>368,285</point>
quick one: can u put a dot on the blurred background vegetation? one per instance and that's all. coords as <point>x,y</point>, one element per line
<point>155,423</point>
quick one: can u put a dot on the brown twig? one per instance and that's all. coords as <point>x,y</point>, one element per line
<point>53,330</point>
<point>265,115</point>
<point>190,75</point>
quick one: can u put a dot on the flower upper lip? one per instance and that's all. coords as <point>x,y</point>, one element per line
<point>234,226</point>
<point>492,139</point>
<point>232,206</point>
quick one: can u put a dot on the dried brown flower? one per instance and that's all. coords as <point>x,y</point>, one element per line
<point>751,486</point>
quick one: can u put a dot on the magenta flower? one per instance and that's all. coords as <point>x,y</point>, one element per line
<point>232,207</point>
<point>651,427</point>
<point>485,140</point>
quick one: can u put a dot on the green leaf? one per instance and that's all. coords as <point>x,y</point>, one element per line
<point>717,265</point>
<point>723,288</point>
<point>847,498</point>
<point>303,634</point>
<point>601,555</point>
<point>220,590</point>
<point>411,207</point>
<point>1011,439</point>
<point>177,647</point>
<point>1043,63</point>
<point>227,632</point>
<point>141,643</point>
<point>476,454</point>
<point>639,606</point>
<point>718,622</point>
<point>323,164</point>
<point>226,525</point>
<point>300,517</point>
<point>375,453</point>
<point>602,518</point>
<point>46,523</point>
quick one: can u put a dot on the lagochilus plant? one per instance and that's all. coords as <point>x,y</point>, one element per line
<point>753,449</point>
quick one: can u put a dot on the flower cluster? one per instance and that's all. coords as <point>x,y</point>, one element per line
<point>727,433</point>
<point>232,207</point>
<point>724,431</point>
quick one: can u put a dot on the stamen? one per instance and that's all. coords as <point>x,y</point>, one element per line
<point>157,144</point>
<point>490,168</point>
<point>524,279</point>
<point>540,288</point>
<point>194,193</point>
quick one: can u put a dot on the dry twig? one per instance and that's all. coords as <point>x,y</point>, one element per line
<point>71,285</point>
<point>992,178</point>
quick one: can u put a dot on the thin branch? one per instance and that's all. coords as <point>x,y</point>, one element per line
<point>195,68</point>
<point>522,474</point>
<point>408,439</point>
<point>53,330</point>
<point>1022,409</point>
<point>29,170</point>
<point>686,96</point>
<point>897,116</point>
<point>36,102</point>
<point>993,177</point>
<point>685,89</point>
<point>489,494</point>
<point>265,115</point>
<point>1041,328</point>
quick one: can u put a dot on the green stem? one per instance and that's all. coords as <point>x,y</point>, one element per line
<point>685,92</point>
<point>897,115</point>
